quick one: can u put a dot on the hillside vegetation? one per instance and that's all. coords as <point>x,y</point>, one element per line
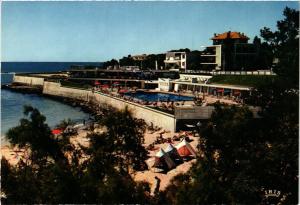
<point>243,80</point>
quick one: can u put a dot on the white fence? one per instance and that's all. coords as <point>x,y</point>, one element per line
<point>258,72</point>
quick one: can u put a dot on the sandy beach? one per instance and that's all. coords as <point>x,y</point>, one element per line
<point>149,175</point>
<point>13,155</point>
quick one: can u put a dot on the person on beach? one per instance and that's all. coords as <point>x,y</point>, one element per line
<point>157,185</point>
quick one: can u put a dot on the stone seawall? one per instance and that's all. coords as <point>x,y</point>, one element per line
<point>28,80</point>
<point>55,89</point>
<point>160,119</point>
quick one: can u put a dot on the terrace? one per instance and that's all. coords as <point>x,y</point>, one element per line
<point>162,101</point>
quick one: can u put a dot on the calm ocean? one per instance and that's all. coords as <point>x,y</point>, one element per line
<point>12,103</point>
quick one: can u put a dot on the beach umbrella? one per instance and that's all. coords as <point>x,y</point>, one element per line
<point>56,131</point>
<point>184,149</point>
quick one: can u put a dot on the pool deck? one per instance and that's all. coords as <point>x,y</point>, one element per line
<point>167,92</point>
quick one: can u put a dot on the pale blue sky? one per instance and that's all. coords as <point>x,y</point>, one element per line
<point>99,31</point>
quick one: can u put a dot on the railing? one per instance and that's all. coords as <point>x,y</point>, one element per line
<point>258,72</point>
<point>75,85</point>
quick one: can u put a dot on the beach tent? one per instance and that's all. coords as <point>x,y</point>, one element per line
<point>163,161</point>
<point>173,153</point>
<point>185,149</point>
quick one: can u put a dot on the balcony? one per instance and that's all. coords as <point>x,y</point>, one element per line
<point>172,60</point>
<point>208,54</point>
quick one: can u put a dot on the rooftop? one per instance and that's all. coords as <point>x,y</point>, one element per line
<point>229,34</point>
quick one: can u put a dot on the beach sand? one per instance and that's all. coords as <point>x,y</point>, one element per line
<point>13,155</point>
<point>149,175</point>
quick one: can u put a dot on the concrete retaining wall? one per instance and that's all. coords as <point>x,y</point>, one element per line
<point>28,80</point>
<point>203,113</point>
<point>160,119</point>
<point>193,112</point>
<point>52,88</point>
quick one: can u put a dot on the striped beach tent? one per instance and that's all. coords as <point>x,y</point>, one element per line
<point>184,149</point>
<point>163,161</point>
<point>173,153</point>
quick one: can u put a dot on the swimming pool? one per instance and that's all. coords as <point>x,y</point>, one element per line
<point>149,96</point>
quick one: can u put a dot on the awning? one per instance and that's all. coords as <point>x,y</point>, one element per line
<point>105,86</point>
<point>227,90</point>
<point>237,92</point>
<point>97,82</point>
<point>123,91</point>
<point>220,90</point>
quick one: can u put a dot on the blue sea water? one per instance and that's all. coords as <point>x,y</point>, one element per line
<point>12,103</point>
<point>20,67</point>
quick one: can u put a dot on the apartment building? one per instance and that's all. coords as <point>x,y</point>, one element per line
<point>176,60</point>
<point>230,51</point>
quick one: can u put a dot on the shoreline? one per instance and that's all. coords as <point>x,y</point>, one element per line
<point>13,155</point>
<point>84,107</point>
<point>25,89</point>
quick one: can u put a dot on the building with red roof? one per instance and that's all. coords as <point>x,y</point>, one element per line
<point>230,52</point>
<point>230,35</point>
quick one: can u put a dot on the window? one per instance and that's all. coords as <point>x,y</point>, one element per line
<point>183,56</point>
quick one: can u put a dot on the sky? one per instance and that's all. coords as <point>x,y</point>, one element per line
<point>95,31</point>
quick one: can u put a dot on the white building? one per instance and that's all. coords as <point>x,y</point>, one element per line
<point>176,60</point>
<point>212,57</point>
<point>164,84</point>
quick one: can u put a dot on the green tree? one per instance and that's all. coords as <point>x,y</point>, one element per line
<point>123,140</point>
<point>223,174</point>
<point>264,59</point>
<point>112,62</point>
<point>43,174</point>
<point>149,62</point>
<point>55,170</point>
<point>35,133</point>
<point>242,155</point>
<point>285,46</point>
<point>128,61</point>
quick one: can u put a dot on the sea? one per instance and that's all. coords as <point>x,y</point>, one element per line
<point>12,103</point>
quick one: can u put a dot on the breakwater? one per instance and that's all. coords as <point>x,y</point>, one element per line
<point>28,80</point>
<point>93,102</point>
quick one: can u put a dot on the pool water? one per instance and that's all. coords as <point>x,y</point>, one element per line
<point>149,96</point>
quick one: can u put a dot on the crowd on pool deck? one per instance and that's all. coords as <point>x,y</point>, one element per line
<point>199,98</point>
